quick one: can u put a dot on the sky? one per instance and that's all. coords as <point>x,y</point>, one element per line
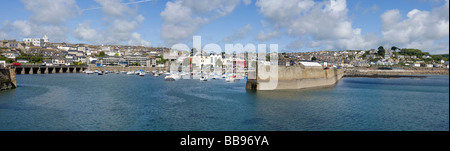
<point>295,25</point>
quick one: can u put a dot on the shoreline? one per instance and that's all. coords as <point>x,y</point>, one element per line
<point>394,73</point>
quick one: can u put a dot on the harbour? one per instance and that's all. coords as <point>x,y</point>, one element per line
<point>69,101</point>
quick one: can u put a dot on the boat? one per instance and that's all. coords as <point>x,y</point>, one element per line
<point>203,78</point>
<point>131,73</point>
<point>123,72</point>
<point>230,79</point>
<point>156,74</point>
<point>141,74</point>
<point>89,72</point>
<point>172,77</point>
<point>100,73</point>
<point>96,71</point>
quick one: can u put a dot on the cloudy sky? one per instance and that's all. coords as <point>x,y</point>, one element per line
<point>296,25</point>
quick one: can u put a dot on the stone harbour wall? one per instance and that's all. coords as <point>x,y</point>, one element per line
<point>7,79</point>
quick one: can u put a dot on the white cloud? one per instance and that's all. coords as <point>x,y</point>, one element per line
<point>85,32</point>
<point>263,36</point>
<point>239,34</point>
<point>114,8</point>
<point>325,22</point>
<point>51,11</point>
<point>121,21</point>
<point>136,40</point>
<point>182,18</point>
<point>420,29</point>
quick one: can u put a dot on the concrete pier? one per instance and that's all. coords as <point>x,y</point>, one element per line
<point>294,77</point>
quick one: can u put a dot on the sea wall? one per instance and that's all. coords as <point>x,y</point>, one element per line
<point>297,77</point>
<point>7,79</point>
<point>395,73</point>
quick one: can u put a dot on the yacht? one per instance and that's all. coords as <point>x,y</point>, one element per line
<point>131,73</point>
<point>89,72</point>
<point>100,73</point>
<point>96,71</point>
<point>172,77</point>
<point>203,78</point>
<point>123,72</point>
<point>141,74</point>
<point>230,79</point>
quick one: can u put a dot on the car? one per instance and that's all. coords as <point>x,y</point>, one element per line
<point>16,64</point>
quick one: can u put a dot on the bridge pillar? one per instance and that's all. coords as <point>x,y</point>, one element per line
<point>54,70</point>
<point>46,70</point>
<point>60,70</point>
<point>39,70</point>
<point>23,71</point>
<point>31,71</point>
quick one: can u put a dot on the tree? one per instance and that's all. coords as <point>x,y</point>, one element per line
<point>394,48</point>
<point>116,55</point>
<point>381,51</point>
<point>101,54</point>
<point>313,58</point>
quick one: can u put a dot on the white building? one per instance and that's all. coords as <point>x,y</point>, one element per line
<point>2,64</point>
<point>39,42</point>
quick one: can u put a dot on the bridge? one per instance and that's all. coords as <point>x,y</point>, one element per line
<point>38,69</point>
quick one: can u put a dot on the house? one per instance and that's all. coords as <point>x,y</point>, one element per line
<point>426,57</point>
<point>2,64</point>
<point>22,61</point>
<point>11,55</point>
<point>429,65</point>
<point>416,65</point>
<point>37,41</point>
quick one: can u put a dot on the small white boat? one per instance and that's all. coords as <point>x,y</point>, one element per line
<point>100,73</point>
<point>156,74</point>
<point>89,72</point>
<point>172,77</point>
<point>123,72</point>
<point>96,71</point>
<point>203,78</point>
<point>131,73</point>
<point>141,74</point>
<point>230,79</point>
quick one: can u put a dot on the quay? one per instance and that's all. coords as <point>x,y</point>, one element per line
<point>304,75</point>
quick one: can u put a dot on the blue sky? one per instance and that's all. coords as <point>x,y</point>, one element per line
<point>296,25</point>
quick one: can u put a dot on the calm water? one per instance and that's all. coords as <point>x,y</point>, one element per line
<point>121,102</point>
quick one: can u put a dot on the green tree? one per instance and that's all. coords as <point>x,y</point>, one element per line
<point>116,55</point>
<point>381,51</point>
<point>101,54</point>
<point>394,48</point>
<point>313,58</point>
